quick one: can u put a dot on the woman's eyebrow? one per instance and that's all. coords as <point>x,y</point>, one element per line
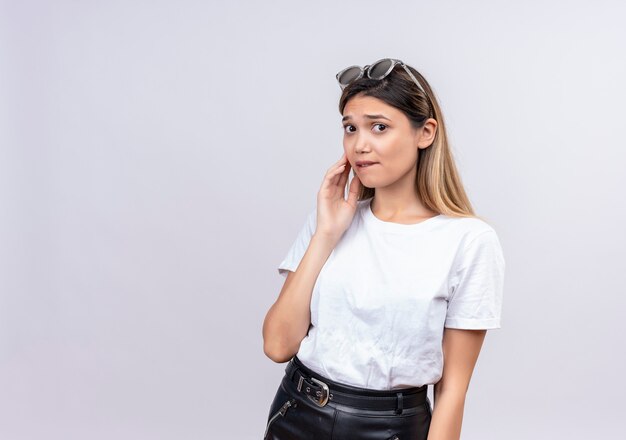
<point>347,117</point>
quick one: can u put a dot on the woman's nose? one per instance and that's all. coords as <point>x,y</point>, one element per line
<point>361,143</point>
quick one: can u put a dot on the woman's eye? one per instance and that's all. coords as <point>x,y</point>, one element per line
<point>346,128</point>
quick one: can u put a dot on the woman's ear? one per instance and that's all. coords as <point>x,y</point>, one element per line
<point>427,133</point>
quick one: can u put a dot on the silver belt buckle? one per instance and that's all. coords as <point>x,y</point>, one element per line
<point>322,395</point>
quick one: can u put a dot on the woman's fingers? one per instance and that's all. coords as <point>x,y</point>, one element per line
<point>336,170</point>
<point>343,177</point>
<point>353,190</point>
<point>336,177</point>
<point>330,179</point>
<point>341,161</point>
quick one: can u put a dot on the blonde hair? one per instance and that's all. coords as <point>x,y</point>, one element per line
<point>437,181</point>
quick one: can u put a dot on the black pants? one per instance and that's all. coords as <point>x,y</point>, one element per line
<point>304,409</point>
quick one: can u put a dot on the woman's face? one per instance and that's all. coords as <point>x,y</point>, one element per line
<point>377,132</point>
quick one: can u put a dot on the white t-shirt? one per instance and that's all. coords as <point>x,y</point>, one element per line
<point>387,290</point>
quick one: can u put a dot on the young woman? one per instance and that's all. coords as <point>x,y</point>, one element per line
<point>385,284</point>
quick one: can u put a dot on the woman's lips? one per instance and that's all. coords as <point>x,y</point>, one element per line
<point>365,166</point>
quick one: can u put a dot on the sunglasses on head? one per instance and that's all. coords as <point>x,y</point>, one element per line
<point>377,70</point>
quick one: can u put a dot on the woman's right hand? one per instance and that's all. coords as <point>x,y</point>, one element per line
<point>334,212</point>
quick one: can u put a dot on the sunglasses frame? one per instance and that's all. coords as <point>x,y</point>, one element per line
<point>365,70</point>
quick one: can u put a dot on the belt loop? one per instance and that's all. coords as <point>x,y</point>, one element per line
<point>399,403</point>
<point>293,372</point>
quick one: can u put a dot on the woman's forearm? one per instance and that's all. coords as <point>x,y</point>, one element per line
<point>447,416</point>
<point>287,321</point>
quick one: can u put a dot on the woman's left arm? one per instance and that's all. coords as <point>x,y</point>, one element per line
<point>460,351</point>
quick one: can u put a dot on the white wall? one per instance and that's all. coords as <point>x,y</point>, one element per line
<point>158,158</point>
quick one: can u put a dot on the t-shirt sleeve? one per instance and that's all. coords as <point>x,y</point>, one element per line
<point>477,282</point>
<point>299,246</point>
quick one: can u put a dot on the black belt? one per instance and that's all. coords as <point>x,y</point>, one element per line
<point>321,391</point>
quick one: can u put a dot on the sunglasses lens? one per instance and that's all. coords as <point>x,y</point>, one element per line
<point>380,69</point>
<point>349,75</point>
